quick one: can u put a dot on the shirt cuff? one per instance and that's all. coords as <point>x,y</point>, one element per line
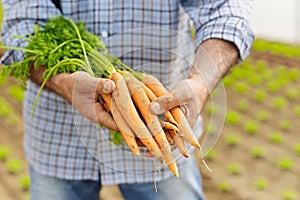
<point>232,29</point>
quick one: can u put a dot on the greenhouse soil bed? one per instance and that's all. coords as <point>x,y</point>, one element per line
<point>277,180</point>
<point>11,136</point>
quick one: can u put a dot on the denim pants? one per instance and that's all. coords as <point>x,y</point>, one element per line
<point>188,186</point>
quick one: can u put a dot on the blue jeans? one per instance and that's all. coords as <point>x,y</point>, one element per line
<point>188,186</point>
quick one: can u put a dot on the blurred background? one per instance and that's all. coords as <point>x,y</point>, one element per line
<point>258,153</point>
<point>277,20</point>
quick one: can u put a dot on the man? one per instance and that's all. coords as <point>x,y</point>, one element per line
<point>69,160</point>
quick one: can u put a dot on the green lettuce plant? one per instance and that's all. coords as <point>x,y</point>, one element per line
<point>4,152</point>
<point>24,181</point>
<point>233,117</point>
<point>234,168</point>
<point>285,163</point>
<point>241,88</point>
<point>232,139</point>
<point>260,184</point>
<point>296,148</point>
<point>251,127</point>
<point>260,95</point>
<point>279,102</point>
<point>224,186</point>
<point>257,152</point>
<point>242,105</point>
<point>297,111</point>
<point>14,166</point>
<point>285,125</point>
<point>288,194</point>
<point>17,92</point>
<point>263,115</point>
<point>276,137</point>
<point>211,154</point>
<point>292,93</point>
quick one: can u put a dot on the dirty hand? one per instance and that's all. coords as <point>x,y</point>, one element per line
<point>81,90</point>
<point>213,60</point>
<point>190,94</point>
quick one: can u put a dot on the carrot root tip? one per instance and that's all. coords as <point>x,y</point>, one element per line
<point>186,155</point>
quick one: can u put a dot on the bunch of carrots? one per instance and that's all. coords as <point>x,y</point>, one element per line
<point>129,104</point>
<point>139,126</point>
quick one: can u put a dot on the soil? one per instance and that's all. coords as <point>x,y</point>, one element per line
<point>242,185</point>
<point>253,168</point>
<point>275,60</point>
<point>11,135</point>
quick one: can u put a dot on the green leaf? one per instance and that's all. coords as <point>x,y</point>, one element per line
<point>116,137</point>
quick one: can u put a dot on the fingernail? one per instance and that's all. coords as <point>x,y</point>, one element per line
<point>107,86</point>
<point>156,108</point>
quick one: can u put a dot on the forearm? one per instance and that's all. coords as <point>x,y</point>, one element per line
<point>224,54</point>
<point>60,83</point>
<point>213,59</point>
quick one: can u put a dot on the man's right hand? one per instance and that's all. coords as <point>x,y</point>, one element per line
<point>81,90</point>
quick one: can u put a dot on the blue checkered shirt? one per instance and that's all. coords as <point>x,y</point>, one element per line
<point>60,142</point>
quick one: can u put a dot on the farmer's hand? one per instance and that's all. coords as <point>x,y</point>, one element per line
<point>81,90</point>
<point>191,94</point>
<point>213,59</point>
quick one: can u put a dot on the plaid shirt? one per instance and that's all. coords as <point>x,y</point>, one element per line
<point>60,142</point>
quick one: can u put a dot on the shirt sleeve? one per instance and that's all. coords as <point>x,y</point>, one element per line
<point>19,19</point>
<point>222,19</point>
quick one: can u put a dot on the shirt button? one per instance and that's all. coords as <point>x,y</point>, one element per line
<point>104,34</point>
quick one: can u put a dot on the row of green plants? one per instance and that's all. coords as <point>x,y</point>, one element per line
<point>14,166</point>
<point>276,48</point>
<point>7,110</point>
<point>257,74</point>
<point>274,90</point>
<point>14,89</point>
<point>260,184</point>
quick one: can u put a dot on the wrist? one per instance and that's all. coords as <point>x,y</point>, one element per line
<point>62,84</point>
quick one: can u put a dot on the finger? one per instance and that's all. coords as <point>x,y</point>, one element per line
<point>179,95</point>
<point>104,118</point>
<point>148,154</point>
<point>105,86</point>
<point>164,103</point>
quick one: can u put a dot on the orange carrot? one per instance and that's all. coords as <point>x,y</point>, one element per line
<point>158,89</point>
<point>169,137</point>
<point>184,127</point>
<point>179,142</point>
<point>125,130</point>
<point>169,160</point>
<point>124,102</point>
<point>142,101</point>
<point>170,118</point>
<point>168,126</point>
<point>106,107</point>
